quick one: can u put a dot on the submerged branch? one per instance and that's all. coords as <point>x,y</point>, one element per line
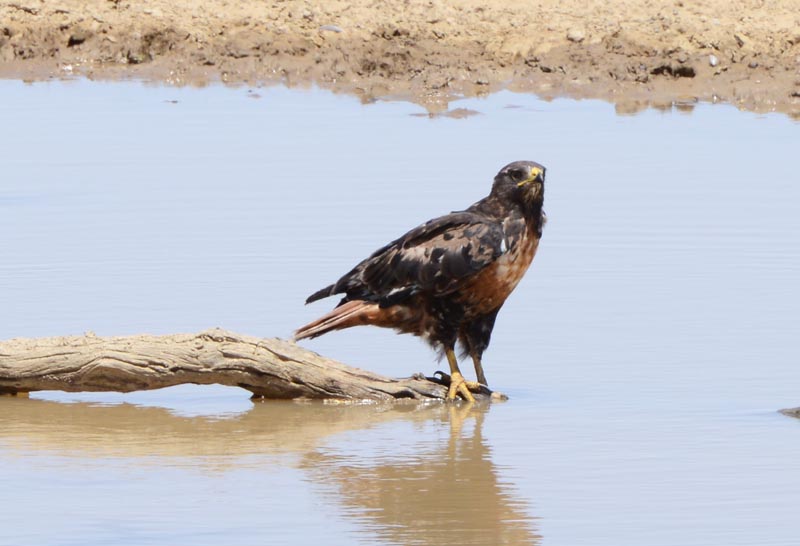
<point>270,368</point>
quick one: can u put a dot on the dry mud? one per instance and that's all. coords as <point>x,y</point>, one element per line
<point>636,53</point>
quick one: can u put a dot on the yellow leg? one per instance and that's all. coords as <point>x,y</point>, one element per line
<point>479,370</point>
<point>458,385</point>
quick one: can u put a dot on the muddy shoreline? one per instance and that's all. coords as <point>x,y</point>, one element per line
<point>634,53</point>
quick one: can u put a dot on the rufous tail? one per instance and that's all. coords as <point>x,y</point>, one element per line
<point>351,313</point>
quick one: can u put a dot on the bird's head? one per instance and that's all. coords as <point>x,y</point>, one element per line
<point>522,181</point>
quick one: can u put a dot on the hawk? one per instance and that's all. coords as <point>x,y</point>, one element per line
<point>447,279</point>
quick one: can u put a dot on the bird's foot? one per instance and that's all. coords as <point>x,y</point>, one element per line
<point>459,385</point>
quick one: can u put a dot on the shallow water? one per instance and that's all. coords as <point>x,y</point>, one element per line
<point>645,353</point>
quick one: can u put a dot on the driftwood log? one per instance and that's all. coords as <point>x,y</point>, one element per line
<point>269,368</point>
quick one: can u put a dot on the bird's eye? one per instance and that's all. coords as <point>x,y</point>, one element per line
<point>517,175</point>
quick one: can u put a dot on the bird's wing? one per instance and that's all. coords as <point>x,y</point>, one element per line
<point>435,257</point>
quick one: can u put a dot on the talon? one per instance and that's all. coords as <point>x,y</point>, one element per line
<point>458,385</point>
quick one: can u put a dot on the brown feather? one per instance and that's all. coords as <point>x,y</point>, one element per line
<point>353,313</point>
<point>488,289</point>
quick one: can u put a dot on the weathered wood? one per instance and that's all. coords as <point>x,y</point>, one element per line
<point>270,368</point>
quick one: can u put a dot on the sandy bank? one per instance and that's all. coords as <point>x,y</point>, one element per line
<point>636,53</point>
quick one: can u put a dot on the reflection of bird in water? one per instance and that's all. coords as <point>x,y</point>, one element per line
<point>447,279</point>
<point>412,495</point>
<point>419,498</point>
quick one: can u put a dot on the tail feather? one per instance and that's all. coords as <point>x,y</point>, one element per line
<point>351,313</point>
<point>322,293</point>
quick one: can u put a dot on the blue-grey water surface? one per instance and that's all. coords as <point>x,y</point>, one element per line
<point>645,353</point>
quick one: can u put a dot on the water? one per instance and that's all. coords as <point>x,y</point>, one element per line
<point>645,353</point>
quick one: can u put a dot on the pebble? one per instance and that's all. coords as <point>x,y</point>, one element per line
<point>77,38</point>
<point>330,28</point>
<point>576,35</point>
<point>712,60</point>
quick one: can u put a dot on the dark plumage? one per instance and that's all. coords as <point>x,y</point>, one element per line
<point>447,279</point>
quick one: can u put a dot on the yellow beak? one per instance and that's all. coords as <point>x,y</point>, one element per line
<point>536,174</point>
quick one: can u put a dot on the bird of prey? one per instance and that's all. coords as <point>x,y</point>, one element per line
<point>446,280</point>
